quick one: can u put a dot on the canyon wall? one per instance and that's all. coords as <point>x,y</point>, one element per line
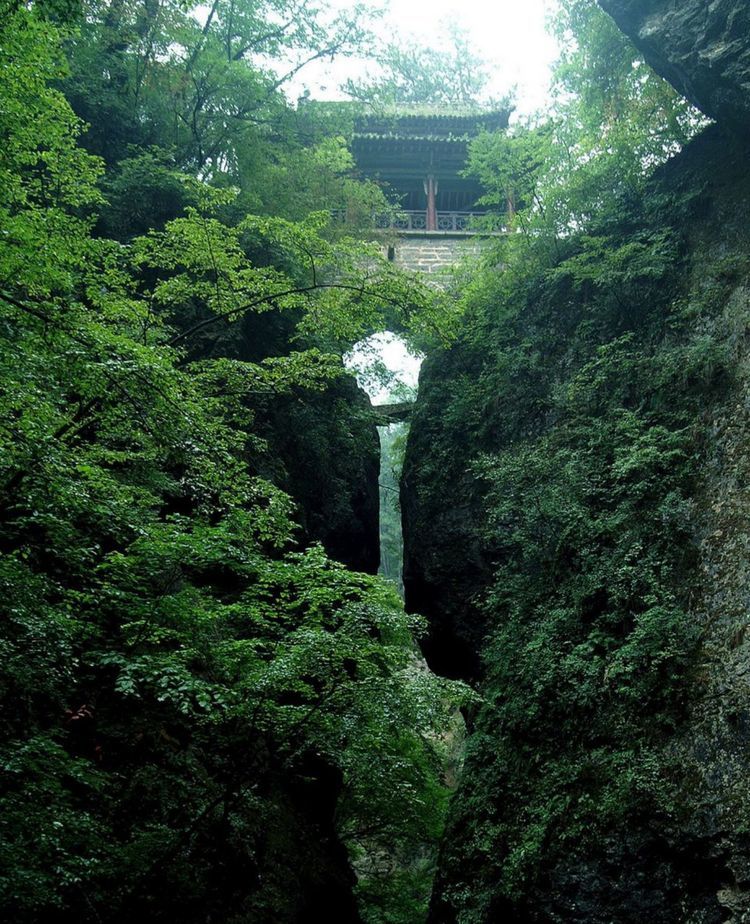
<point>575,501</point>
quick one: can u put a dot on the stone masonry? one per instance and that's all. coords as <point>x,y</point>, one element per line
<point>434,254</point>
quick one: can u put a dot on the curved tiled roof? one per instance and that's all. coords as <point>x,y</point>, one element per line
<point>425,123</point>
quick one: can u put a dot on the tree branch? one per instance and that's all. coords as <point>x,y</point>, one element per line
<point>262,299</point>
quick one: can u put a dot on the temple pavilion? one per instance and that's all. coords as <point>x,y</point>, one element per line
<point>419,155</point>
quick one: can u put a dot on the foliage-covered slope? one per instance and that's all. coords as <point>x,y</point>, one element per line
<point>591,428</point>
<point>571,424</point>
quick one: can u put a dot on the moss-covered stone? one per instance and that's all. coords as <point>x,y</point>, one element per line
<point>576,532</point>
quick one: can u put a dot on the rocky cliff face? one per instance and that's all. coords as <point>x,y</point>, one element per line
<point>322,448</point>
<point>445,559</point>
<point>702,48</point>
<point>575,504</point>
<point>326,455</point>
<point>541,830</point>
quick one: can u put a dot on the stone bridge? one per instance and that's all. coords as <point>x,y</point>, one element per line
<point>391,413</point>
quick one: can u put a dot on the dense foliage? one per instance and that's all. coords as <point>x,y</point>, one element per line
<point>567,425</point>
<point>203,717</point>
<point>587,412</point>
<point>611,121</point>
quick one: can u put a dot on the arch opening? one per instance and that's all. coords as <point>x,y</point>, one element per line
<point>388,370</point>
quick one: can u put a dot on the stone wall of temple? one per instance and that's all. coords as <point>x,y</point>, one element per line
<point>435,253</point>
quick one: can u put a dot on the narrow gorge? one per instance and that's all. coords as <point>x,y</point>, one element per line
<point>287,639</point>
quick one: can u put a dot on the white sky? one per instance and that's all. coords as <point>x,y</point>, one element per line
<point>509,34</point>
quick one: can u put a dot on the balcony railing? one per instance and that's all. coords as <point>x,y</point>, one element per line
<point>416,220</point>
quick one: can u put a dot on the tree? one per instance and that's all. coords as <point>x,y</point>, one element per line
<point>202,83</point>
<point>180,680</point>
<point>410,73</point>
<point>612,121</point>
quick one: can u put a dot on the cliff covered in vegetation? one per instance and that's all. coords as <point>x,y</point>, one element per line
<point>590,575</point>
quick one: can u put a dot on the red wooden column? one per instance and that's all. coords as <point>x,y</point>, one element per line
<point>430,187</point>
